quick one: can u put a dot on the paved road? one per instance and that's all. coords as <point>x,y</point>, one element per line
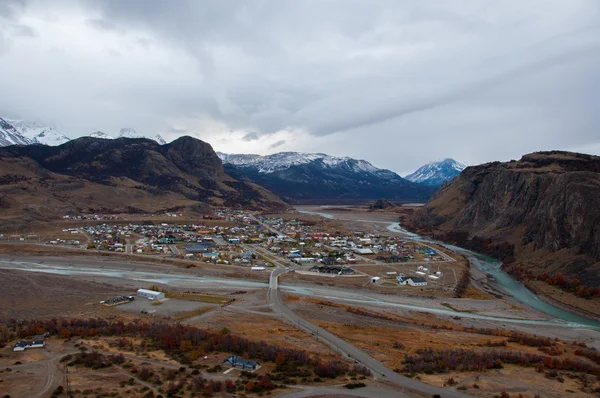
<point>366,392</point>
<point>174,249</point>
<point>346,349</point>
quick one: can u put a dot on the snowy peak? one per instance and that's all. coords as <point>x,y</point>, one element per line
<point>437,173</point>
<point>158,138</point>
<point>284,160</point>
<point>311,177</point>
<point>40,134</point>
<point>25,133</point>
<point>9,135</point>
<point>132,133</point>
<point>100,134</point>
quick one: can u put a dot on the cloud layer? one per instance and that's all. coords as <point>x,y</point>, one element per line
<point>396,83</point>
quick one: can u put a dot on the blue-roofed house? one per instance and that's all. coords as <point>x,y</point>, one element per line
<point>241,363</point>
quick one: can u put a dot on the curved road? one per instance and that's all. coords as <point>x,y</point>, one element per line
<point>348,350</point>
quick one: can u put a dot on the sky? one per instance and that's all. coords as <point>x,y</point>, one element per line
<point>398,83</point>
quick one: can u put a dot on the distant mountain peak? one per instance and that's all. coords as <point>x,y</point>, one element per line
<point>30,133</point>
<point>437,173</point>
<point>128,132</point>
<point>284,160</point>
<point>100,134</point>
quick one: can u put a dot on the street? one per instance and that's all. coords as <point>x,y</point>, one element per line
<point>346,349</point>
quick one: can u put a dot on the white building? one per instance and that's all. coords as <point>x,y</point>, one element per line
<point>411,280</point>
<point>150,294</point>
<point>22,345</point>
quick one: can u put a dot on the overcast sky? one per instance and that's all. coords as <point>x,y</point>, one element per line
<point>398,83</point>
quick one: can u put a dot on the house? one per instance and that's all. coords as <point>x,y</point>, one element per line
<point>200,247</point>
<point>375,279</point>
<point>363,251</point>
<point>233,241</point>
<point>150,294</point>
<point>411,280</point>
<point>22,345</point>
<point>417,282</point>
<point>329,269</point>
<point>329,261</point>
<point>236,362</point>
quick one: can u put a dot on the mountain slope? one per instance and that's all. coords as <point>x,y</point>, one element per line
<point>39,134</point>
<point>9,135</point>
<point>122,175</point>
<point>318,177</point>
<point>437,173</point>
<point>545,206</point>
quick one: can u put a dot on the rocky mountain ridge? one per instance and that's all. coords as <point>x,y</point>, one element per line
<point>317,177</point>
<point>545,206</point>
<point>121,175</point>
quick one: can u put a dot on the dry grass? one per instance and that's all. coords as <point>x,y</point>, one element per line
<point>190,314</point>
<point>476,294</point>
<point>203,298</point>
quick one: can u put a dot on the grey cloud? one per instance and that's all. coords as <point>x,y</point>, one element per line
<point>479,80</point>
<point>277,144</point>
<point>101,24</point>
<point>9,9</point>
<point>177,131</point>
<point>252,136</point>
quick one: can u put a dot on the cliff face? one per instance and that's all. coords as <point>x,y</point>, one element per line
<point>546,200</point>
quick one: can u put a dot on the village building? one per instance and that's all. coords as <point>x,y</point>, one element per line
<point>23,345</point>
<point>241,363</point>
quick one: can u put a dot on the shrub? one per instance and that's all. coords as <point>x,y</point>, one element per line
<point>352,386</point>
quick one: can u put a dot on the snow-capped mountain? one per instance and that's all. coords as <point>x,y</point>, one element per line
<point>132,133</point>
<point>437,173</point>
<point>9,135</point>
<point>320,177</point>
<point>23,132</point>
<point>285,160</point>
<point>39,134</point>
<point>100,134</point>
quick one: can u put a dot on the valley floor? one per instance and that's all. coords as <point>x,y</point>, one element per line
<point>387,326</point>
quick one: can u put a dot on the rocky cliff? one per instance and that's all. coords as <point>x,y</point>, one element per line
<point>546,205</point>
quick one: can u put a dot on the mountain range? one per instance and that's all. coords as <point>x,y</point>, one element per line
<point>21,132</point>
<point>121,175</point>
<point>317,177</point>
<point>437,173</point>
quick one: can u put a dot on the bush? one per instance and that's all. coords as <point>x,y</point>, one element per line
<point>352,386</point>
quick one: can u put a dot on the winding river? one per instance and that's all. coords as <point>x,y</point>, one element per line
<point>492,267</point>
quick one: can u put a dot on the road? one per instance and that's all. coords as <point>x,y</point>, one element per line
<point>174,249</point>
<point>321,391</point>
<point>346,349</point>
<point>270,228</point>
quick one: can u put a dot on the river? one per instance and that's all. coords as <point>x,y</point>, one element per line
<point>490,266</point>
